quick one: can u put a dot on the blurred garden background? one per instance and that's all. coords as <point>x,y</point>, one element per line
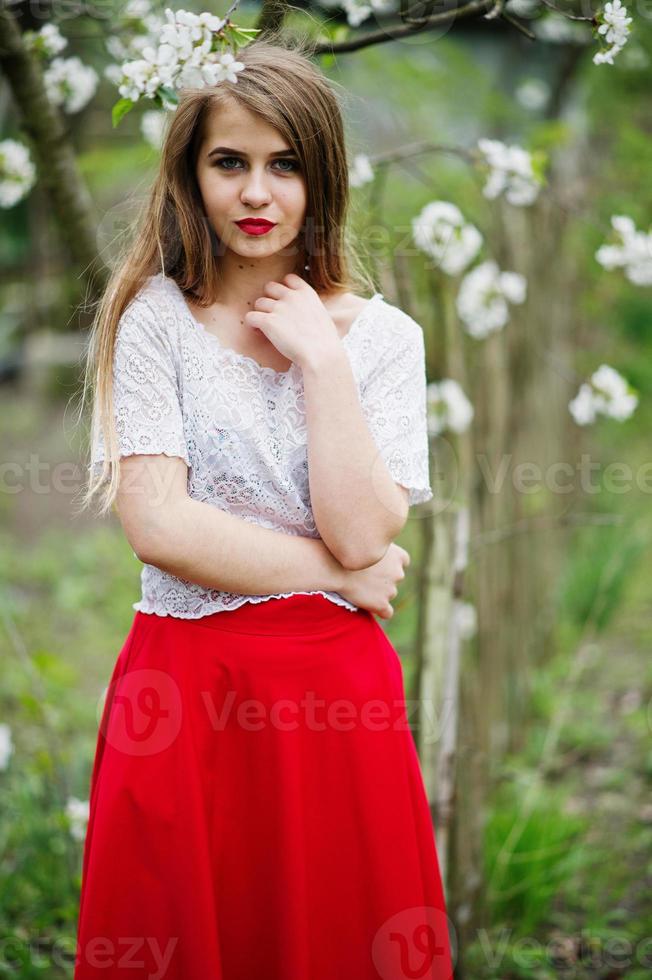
<point>502,196</point>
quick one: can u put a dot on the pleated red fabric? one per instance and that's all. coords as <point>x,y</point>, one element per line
<point>257,809</point>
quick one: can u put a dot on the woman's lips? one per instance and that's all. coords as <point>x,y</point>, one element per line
<point>251,227</point>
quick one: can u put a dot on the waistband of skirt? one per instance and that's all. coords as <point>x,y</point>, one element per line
<point>300,613</point>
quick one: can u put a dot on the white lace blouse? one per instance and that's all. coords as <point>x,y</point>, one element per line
<point>241,427</point>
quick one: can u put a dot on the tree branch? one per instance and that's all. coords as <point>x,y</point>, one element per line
<point>564,13</point>
<point>416,149</point>
<point>475,8</point>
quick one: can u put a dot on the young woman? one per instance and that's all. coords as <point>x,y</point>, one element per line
<point>257,810</point>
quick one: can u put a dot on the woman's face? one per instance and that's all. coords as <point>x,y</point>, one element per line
<point>245,169</point>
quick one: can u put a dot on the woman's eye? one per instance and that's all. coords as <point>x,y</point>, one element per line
<point>292,163</point>
<point>223,161</point>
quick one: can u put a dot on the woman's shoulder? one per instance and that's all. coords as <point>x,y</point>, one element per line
<point>392,321</point>
<point>150,313</point>
<point>350,307</point>
<point>343,306</point>
<point>158,296</point>
<point>153,292</point>
<point>357,303</point>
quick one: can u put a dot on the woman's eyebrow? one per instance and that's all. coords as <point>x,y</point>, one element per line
<point>228,149</point>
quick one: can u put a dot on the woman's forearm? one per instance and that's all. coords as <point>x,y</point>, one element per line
<point>356,504</point>
<point>201,543</point>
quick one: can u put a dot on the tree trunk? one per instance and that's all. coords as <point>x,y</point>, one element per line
<point>54,155</point>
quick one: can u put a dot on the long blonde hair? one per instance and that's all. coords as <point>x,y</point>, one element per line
<point>173,235</point>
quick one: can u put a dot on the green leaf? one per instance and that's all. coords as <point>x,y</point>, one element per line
<point>120,109</point>
<point>240,36</point>
<point>166,96</point>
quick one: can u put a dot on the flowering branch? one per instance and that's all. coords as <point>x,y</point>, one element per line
<point>189,50</point>
<point>611,23</point>
<point>475,8</point>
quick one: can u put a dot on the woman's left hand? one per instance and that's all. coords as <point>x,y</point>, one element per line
<point>294,320</point>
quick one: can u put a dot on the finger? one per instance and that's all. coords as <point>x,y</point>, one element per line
<point>386,611</point>
<point>265,304</point>
<point>275,289</point>
<point>294,281</point>
<point>256,319</point>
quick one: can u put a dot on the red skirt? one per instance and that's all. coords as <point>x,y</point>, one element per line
<point>257,809</point>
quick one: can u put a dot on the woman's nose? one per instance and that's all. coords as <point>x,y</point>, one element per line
<point>255,188</point>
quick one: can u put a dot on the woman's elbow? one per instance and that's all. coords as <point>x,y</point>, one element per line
<point>147,551</point>
<point>355,561</point>
<point>150,498</point>
<point>146,544</point>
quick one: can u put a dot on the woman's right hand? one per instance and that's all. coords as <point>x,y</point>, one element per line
<point>373,588</point>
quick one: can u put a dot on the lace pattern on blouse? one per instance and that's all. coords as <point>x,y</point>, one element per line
<point>240,427</point>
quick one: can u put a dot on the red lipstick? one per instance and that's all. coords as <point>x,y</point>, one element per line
<point>255,226</point>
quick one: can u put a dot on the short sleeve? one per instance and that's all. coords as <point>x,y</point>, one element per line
<point>147,403</point>
<point>394,403</point>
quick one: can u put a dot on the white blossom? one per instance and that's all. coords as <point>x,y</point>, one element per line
<point>606,393</point>
<point>47,41</point>
<point>615,30</point>
<point>483,296</point>
<point>17,172</point>
<point>70,83</point>
<point>510,172</point>
<point>582,407</point>
<point>6,745</point>
<point>441,231</point>
<point>184,53</point>
<point>356,12</point>
<point>227,67</point>
<point>619,401</point>
<point>152,126</point>
<point>361,171</point>
<point>448,407</point>
<point>141,77</point>
<point>77,812</point>
<point>633,253</point>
